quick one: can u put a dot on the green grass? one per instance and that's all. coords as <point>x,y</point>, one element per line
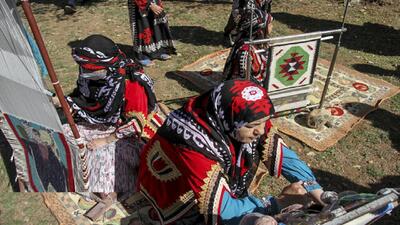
<point>5,185</point>
<point>374,171</point>
<point>24,209</point>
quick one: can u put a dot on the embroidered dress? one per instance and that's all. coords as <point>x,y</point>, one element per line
<point>237,62</point>
<point>150,32</point>
<point>194,171</point>
<point>238,6</point>
<point>113,167</point>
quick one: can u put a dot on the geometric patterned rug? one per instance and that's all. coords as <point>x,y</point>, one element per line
<point>69,208</point>
<point>351,96</point>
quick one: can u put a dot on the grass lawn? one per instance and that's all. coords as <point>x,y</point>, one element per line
<point>367,159</point>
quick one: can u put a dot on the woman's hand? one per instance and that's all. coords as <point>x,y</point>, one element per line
<point>156,9</point>
<point>56,101</point>
<point>96,143</point>
<point>293,194</point>
<point>100,142</point>
<point>316,196</point>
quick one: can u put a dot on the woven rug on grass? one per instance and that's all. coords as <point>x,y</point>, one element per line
<point>351,96</point>
<point>69,208</point>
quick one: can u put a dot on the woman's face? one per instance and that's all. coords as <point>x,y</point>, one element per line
<point>94,75</point>
<point>251,131</point>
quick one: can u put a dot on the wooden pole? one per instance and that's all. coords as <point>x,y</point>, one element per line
<point>333,61</point>
<point>249,60</point>
<point>21,185</point>
<point>56,84</point>
<point>53,77</point>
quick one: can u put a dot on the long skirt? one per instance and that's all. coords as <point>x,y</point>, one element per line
<point>113,167</point>
<point>151,34</point>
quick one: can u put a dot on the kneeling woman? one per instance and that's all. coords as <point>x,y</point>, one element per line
<point>115,108</point>
<point>198,167</point>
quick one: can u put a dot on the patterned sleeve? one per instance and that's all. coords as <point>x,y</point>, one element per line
<point>279,159</point>
<point>294,170</point>
<point>232,209</point>
<point>133,128</point>
<point>256,61</point>
<point>216,202</point>
<point>242,57</point>
<point>135,110</point>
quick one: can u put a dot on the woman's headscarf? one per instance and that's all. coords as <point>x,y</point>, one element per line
<point>100,100</point>
<point>259,22</point>
<point>207,123</point>
<point>97,52</point>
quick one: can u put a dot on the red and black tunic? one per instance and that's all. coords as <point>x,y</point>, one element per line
<point>150,33</point>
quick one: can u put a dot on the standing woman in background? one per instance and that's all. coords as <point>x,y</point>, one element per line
<point>236,63</point>
<point>150,31</point>
<point>238,7</point>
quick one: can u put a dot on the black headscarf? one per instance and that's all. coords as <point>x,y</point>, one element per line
<point>98,100</point>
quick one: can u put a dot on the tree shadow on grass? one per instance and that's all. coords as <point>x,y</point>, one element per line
<point>367,68</point>
<point>382,119</point>
<point>62,3</point>
<point>370,37</point>
<point>197,35</point>
<point>45,6</point>
<point>183,82</point>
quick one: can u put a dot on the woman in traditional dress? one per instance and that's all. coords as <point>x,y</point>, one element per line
<point>150,31</point>
<point>238,7</point>
<point>237,61</point>
<point>115,108</point>
<point>198,167</point>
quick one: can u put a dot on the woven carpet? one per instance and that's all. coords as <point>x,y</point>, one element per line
<point>69,208</point>
<point>351,96</point>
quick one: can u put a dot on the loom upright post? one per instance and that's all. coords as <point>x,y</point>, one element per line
<point>53,77</point>
<point>248,66</point>
<point>333,61</point>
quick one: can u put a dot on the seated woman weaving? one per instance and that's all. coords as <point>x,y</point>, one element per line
<point>113,100</point>
<point>237,61</point>
<point>198,167</point>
